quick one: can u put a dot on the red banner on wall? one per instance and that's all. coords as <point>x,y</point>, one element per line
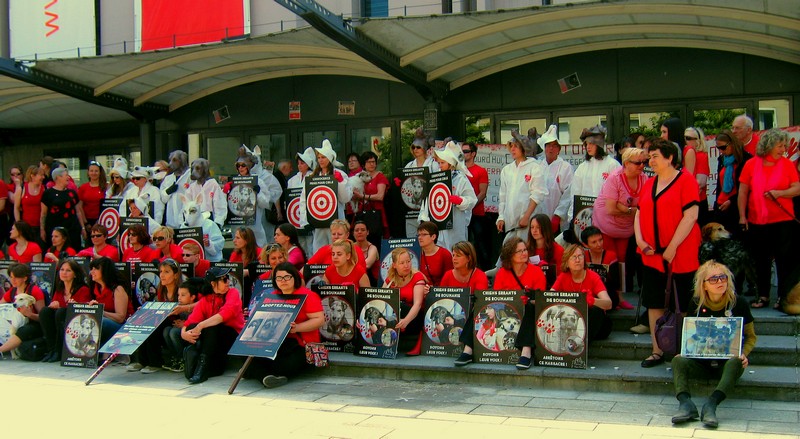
<point>173,23</point>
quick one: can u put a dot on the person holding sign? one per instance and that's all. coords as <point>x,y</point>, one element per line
<point>60,247</point>
<point>345,269</point>
<point>543,250</point>
<point>462,196</point>
<point>212,327</point>
<point>164,246</point>
<point>20,275</point>
<point>291,358</point>
<point>713,297</point>
<point>522,190</point>
<point>360,233</point>
<point>306,161</point>
<point>107,288</point>
<point>435,260</point>
<point>517,273</point>
<point>70,287</point>
<point>339,229</point>
<point>412,285</point>
<point>100,247</point>
<point>139,250</point>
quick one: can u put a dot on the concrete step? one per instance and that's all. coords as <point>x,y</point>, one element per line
<point>771,350</point>
<point>759,382</point>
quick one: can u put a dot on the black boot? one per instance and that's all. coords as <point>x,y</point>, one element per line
<point>687,411</point>
<point>201,371</point>
<point>709,413</point>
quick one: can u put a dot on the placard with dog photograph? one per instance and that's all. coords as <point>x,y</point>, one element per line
<point>440,209</point>
<point>82,335</point>
<point>313,274</point>
<point>236,275</point>
<point>322,202</point>
<point>445,316</point>
<point>582,209</point>
<point>5,278</point>
<point>378,311</point>
<point>126,222</point>
<point>242,200</point>
<point>339,307</point>
<point>712,338</point>
<point>138,328</point>
<point>269,326</point>
<point>261,288</point>
<point>561,329</point>
<point>387,245</point>
<point>43,275</point>
<point>146,281</point>
<point>413,189</point>
<point>498,316</point>
<point>190,235</point>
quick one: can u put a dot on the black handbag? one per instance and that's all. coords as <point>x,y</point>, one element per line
<point>670,325</point>
<point>372,218</point>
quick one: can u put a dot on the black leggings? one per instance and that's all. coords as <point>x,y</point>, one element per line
<point>290,361</point>
<point>215,342</point>
<point>53,322</point>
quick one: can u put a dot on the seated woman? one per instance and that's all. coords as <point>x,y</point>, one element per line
<point>140,250</point>
<point>24,249</point>
<point>713,297</point>
<point>20,275</point>
<point>286,237</point>
<point>576,277</point>
<point>345,269</point>
<point>191,256</point>
<point>360,234</point>
<point>466,274</point>
<point>60,248</point>
<point>215,322</point>
<point>291,358</point>
<point>100,247</point>
<point>107,287</point>
<point>149,358</point>
<point>246,251</point>
<point>412,284</point>
<point>605,263</point>
<point>543,250</point>
<point>340,229</point>
<point>517,273</point>
<point>435,260</point>
<point>165,248</point>
<point>70,287</point>
<point>271,255</point>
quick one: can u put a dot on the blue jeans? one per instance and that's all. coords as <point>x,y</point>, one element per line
<point>108,329</point>
<point>173,340</point>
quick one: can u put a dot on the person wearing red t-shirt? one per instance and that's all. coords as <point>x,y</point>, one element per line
<point>70,287</point>
<point>605,263</point>
<point>165,248</point>
<point>478,224</point>
<point>517,273</point>
<point>291,358</point>
<point>20,276</point>
<point>100,246</point>
<point>576,277</point>
<point>139,250</point>
<point>191,256</point>
<point>695,162</point>
<point>339,229</point>
<point>465,274</point>
<point>434,261</point>
<point>412,285</point>
<point>345,270</point>
<point>666,235</point>
<point>61,246</point>
<point>93,192</point>
<point>24,249</point>
<point>543,250</point>
<point>371,199</point>
<point>107,287</point>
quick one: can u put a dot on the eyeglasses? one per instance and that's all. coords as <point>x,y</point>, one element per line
<point>158,238</point>
<point>423,234</point>
<point>577,257</point>
<point>723,146</point>
<point>93,163</point>
<point>638,163</point>
<point>286,278</point>
<point>713,280</point>
<point>522,250</point>
<point>689,138</point>
<point>241,165</point>
<point>97,235</point>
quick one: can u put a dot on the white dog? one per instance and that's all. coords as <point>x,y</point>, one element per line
<point>362,178</point>
<point>11,319</point>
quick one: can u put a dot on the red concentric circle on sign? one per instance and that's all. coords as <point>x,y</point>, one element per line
<point>124,241</point>
<point>193,241</point>
<point>321,203</point>
<point>439,203</point>
<point>109,218</point>
<point>293,212</point>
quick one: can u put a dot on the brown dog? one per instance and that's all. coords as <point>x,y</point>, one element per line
<point>718,245</point>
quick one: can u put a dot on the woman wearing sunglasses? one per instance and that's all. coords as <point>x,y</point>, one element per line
<point>212,327</point>
<point>291,358</point>
<point>714,296</point>
<point>164,247</point>
<point>100,246</point>
<point>119,183</point>
<point>730,163</point>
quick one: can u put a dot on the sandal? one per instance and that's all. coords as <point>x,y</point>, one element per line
<point>653,360</point>
<point>761,302</point>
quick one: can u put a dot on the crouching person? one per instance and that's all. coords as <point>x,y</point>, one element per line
<point>212,327</point>
<point>291,358</point>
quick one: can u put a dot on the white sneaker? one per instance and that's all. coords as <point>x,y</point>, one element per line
<point>134,367</point>
<point>150,369</point>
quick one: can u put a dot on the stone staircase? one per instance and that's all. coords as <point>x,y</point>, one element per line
<point>614,365</point>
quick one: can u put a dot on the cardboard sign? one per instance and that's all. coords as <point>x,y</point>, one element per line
<point>236,275</point>
<point>414,189</point>
<point>440,209</point>
<point>313,274</point>
<point>498,316</point>
<point>561,329</point>
<point>83,262</point>
<point>378,313</point>
<point>582,216</point>
<point>5,279</point>
<point>322,203</point>
<point>712,337</point>
<point>293,212</point>
<point>138,328</point>
<point>445,316</point>
<point>126,222</point>
<point>109,216</point>
<point>146,281</point>
<point>190,235</point>
<point>269,326</point>
<point>82,335</point>
<point>242,200</point>
<point>260,289</point>
<point>339,306</point>
<point>43,275</point>
<point>387,245</point>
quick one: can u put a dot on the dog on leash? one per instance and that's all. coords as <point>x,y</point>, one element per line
<point>718,245</point>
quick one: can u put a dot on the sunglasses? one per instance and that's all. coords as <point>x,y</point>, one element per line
<point>466,151</point>
<point>188,255</point>
<point>93,163</point>
<point>225,278</point>
<point>241,165</point>
<point>416,147</point>
<point>158,238</point>
<point>97,235</point>
<point>638,163</point>
<point>16,174</point>
<point>116,177</point>
<point>713,280</point>
<point>690,138</point>
<point>286,278</point>
<point>723,146</point>
<point>137,178</point>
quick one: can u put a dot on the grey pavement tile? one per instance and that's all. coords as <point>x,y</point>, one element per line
<point>383,411</point>
<point>756,415</point>
<point>626,397</point>
<point>357,400</point>
<point>773,427</point>
<point>620,431</point>
<point>520,412</point>
<point>775,405</point>
<point>707,433</point>
<point>541,393</point>
<point>577,426</point>
<point>513,401</point>
<point>645,408</point>
<point>426,425</point>
<point>605,417</point>
<point>574,404</point>
<point>435,406</point>
<point>728,425</point>
<point>463,417</point>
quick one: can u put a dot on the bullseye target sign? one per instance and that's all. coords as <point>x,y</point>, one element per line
<point>439,206</point>
<point>109,217</point>
<point>190,235</point>
<point>321,201</point>
<point>293,212</point>
<point>126,222</point>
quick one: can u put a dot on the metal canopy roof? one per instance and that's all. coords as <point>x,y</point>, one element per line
<point>451,49</point>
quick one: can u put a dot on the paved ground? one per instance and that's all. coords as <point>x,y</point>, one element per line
<point>121,404</point>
